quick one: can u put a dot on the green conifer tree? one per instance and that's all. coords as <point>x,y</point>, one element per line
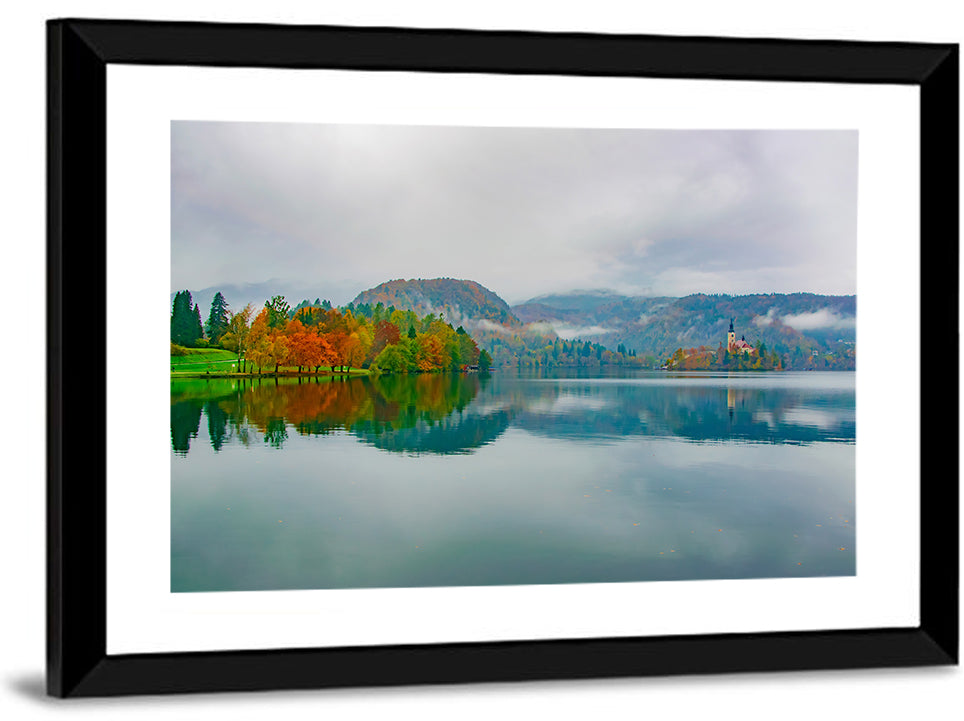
<point>197,330</point>
<point>217,324</point>
<point>185,323</point>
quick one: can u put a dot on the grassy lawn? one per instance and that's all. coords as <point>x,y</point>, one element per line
<point>201,360</point>
<point>217,360</point>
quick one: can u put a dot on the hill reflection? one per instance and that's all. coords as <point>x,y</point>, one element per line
<point>456,413</point>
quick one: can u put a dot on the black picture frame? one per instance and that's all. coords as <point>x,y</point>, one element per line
<point>79,52</point>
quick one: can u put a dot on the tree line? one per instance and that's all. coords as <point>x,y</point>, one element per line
<point>315,336</point>
<point>842,357</point>
<point>541,350</point>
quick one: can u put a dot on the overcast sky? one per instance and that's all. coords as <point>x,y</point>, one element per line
<point>525,212</point>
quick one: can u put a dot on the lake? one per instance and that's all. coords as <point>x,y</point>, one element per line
<point>510,478</point>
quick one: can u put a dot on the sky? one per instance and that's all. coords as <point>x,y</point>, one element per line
<point>326,211</point>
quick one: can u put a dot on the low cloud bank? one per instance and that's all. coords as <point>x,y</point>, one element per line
<point>814,320</point>
<point>568,332</point>
<point>824,318</point>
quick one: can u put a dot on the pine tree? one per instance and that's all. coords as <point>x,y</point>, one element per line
<point>217,324</point>
<point>197,329</point>
<point>185,327</point>
<point>277,311</point>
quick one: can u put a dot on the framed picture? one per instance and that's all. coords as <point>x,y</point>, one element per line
<point>495,356</point>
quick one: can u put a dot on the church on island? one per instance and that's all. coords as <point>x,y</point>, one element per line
<point>737,346</point>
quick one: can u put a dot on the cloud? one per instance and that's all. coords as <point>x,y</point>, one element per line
<point>540,327</point>
<point>484,324</point>
<point>762,321</point>
<point>569,332</point>
<point>824,318</point>
<point>802,416</point>
<point>524,211</point>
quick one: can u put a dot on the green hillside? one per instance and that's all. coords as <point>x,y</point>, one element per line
<point>805,330</point>
<point>658,326</point>
<point>457,300</point>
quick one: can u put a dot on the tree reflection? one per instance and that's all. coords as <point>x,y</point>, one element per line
<point>457,413</point>
<point>185,422</point>
<point>217,424</point>
<point>410,413</point>
<point>693,411</point>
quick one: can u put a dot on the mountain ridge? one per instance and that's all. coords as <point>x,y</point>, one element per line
<point>659,325</point>
<point>652,326</point>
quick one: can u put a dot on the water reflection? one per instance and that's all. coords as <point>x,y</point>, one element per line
<point>455,413</point>
<point>455,480</point>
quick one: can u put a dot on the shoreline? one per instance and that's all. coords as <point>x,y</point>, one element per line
<point>279,374</point>
<point>354,373</point>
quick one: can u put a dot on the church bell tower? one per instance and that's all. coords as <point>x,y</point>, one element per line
<point>730,337</point>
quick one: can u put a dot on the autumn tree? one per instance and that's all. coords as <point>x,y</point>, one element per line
<point>359,339</point>
<point>357,346</point>
<point>303,345</point>
<point>307,346</point>
<point>236,337</point>
<point>386,334</point>
<point>315,337</point>
<point>266,346</point>
<point>451,350</point>
<point>468,349</point>
<point>429,353</point>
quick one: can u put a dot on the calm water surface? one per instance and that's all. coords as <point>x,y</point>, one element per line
<point>455,480</point>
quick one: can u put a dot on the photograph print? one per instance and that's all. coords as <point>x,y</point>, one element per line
<point>424,356</point>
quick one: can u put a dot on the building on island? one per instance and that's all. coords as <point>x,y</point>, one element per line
<point>737,346</point>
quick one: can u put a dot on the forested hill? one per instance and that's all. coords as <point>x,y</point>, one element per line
<point>459,301</point>
<point>658,326</point>
<point>796,330</point>
<point>795,325</point>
